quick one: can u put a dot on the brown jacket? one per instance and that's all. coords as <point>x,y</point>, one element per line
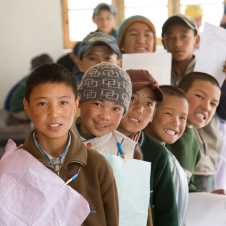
<point>95,181</point>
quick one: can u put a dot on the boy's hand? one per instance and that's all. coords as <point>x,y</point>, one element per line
<point>219,192</point>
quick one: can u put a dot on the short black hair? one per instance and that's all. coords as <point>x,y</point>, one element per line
<point>50,73</point>
<point>172,91</point>
<point>76,49</point>
<point>40,60</point>
<point>188,80</point>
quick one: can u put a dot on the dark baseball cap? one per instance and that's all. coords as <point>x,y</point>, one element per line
<point>180,18</point>
<point>98,38</point>
<point>111,8</point>
<point>141,79</point>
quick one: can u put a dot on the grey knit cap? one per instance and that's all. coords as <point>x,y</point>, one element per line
<point>106,81</point>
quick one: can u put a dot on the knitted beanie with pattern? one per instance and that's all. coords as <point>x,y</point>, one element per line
<point>128,22</point>
<point>106,82</point>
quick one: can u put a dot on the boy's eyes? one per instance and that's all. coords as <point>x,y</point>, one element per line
<point>167,113</point>
<point>199,96</point>
<point>213,104</point>
<point>42,103</point>
<point>116,109</point>
<point>183,118</point>
<point>149,104</point>
<point>108,58</point>
<point>132,98</point>
<point>98,104</point>
<point>63,102</point>
<point>91,58</point>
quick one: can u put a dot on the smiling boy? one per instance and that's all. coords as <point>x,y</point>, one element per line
<point>180,37</point>
<point>51,101</point>
<point>146,94</point>
<point>137,35</point>
<point>167,126</point>
<point>105,93</point>
<point>203,94</point>
<point>96,48</point>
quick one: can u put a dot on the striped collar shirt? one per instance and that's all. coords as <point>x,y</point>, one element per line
<point>56,163</point>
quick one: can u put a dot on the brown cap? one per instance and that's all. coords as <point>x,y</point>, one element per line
<point>178,17</point>
<point>141,79</point>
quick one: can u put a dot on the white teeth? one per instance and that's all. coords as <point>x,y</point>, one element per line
<point>100,125</point>
<point>133,119</point>
<point>54,125</point>
<point>171,132</point>
<point>140,48</point>
<point>200,115</point>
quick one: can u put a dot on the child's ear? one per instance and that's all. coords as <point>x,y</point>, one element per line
<point>26,107</point>
<point>181,90</point>
<point>119,62</point>
<point>122,48</point>
<point>77,103</point>
<point>197,40</point>
<point>79,64</point>
<point>163,43</point>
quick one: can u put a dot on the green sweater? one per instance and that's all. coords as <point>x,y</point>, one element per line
<point>162,197</point>
<point>16,102</point>
<point>187,151</point>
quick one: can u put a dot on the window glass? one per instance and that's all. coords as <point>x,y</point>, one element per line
<point>80,15</point>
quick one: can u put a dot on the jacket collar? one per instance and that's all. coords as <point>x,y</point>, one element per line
<point>77,151</point>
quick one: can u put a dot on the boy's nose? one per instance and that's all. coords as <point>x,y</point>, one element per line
<point>53,111</point>
<point>104,115</point>
<point>175,122</point>
<point>178,42</point>
<point>206,105</point>
<point>139,108</point>
<point>140,38</point>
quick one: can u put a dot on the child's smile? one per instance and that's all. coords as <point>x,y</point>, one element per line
<point>203,98</point>
<point>140,113</point>
<point>99,118</point>
<point>51,108</point>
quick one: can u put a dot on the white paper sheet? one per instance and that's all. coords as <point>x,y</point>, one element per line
<point>212,52</point>
<point>133,183</point>
<point>158,65</point>
<point>31,194</point>
<point>205,209</point>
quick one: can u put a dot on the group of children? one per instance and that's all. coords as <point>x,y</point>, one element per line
<point>170,126</point>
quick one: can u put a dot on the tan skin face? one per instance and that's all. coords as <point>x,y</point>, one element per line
<point>99,118</point>
<point>203,98</point>
<point>139,38</point>
<point>96,55</point>
<point>105,21</point>
<point>179,40</point>
<point>51,108</point>
<point>169,121</point>
<point>140,113</point>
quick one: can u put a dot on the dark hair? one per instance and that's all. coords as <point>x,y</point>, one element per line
<point>76,49</point>
<point>40,60</point>
<point>50,73</point>
<point>188,80</point>
<point>172,91</point>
